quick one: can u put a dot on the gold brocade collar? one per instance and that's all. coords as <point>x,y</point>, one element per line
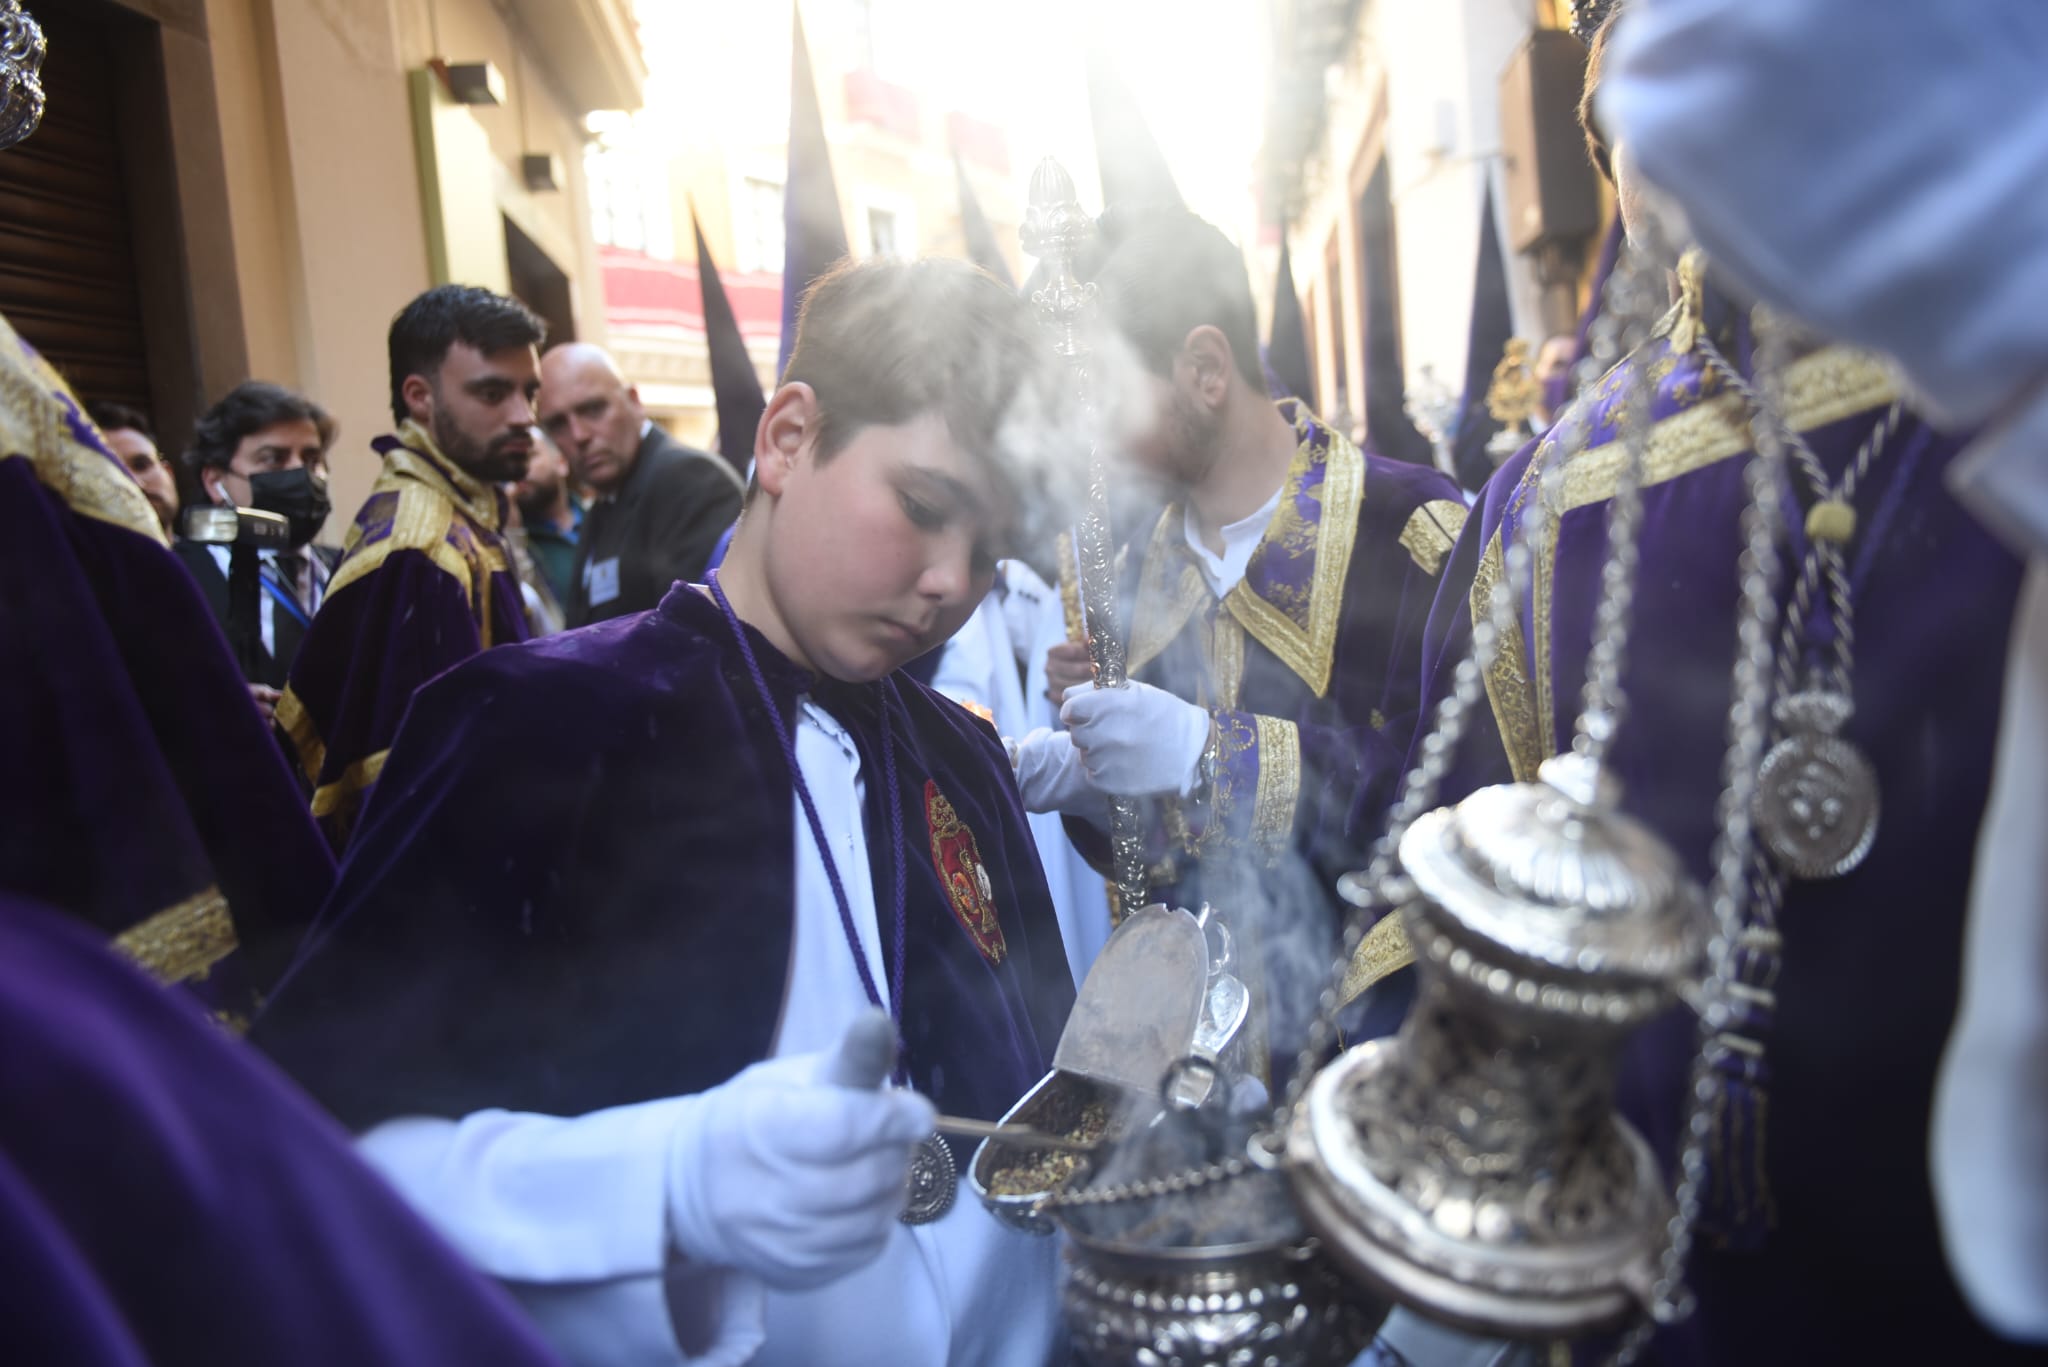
<point>1291,597</point>
<point>42,422</point>
<point>414,454</point>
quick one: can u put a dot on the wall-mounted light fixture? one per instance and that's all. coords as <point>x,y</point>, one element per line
<point>471,82</point>
<point>542,171</point>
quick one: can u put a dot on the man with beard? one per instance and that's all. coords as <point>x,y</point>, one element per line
<point>552,516</point>
<point>425,579</point>
<point>1275,636</point>
<point>131,438</point>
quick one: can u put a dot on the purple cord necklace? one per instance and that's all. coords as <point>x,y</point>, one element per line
<point>934,1176</point>
<point>894,1006</point>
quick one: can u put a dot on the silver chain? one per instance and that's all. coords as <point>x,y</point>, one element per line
<point>1824,559</point>
<point>1630,295</point>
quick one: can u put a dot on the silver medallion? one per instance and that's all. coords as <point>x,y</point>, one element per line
<point>1816,798</point>
<point>933,1181</point>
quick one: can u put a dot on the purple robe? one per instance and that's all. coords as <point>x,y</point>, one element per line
<point>425,581</point>
<point>1833,1254</point>
<point>574,888</point>
<point>167,1197</point>
<point>1310,668</point>
<point>142,794</point>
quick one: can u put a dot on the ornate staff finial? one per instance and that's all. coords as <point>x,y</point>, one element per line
<point>21,67</point>
<point>1056,230</point>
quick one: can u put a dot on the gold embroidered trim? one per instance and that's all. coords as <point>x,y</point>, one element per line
<point>298,727</point>
<point>1162,609</point>
<point>1279,786</point>
<point>421,458</point>
<point>420,522</point>
<point>431,493</point>
<point>1826,386</point>
<point>183,941</point>
<point>1507,682</point>
<point>1542,585</point>
<point>329,798</point>
<point>1226,659</point>
<point>1383,952</point>
<point>1432,531</point>
<point>1236,734</point>
<point>1070,588</point>
<point>1310,652</point>
<point>35,410</point>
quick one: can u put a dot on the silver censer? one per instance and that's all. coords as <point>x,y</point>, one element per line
<point>1473,1166</point>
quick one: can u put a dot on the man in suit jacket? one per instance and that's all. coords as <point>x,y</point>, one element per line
<point>265,446</point>
<point>660,506</point>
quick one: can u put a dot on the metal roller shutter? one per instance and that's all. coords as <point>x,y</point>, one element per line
<point>67,266</point>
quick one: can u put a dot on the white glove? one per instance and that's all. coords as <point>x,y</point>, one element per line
<point>795,1171</point>
<point>1136,740</point>
<point>1050,777</point>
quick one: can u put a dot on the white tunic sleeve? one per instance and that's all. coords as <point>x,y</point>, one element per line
<point>571,1214</point>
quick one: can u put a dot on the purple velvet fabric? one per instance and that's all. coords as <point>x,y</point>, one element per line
<point>574,887</point>
<point>1352,732</point>
<point>137,774</point>
<point>381,635</point>
<point>1871,960</point>
<point>166,1197</point>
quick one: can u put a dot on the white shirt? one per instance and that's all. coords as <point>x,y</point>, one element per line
<point>1224,572</point>
<point>278,571</point>
<point>571,1214</point>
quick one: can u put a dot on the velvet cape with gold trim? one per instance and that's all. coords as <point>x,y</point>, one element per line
<point>139,791</point>
<point>574,887</point>
<point>424,582</point>
<point>1871,960</point>
<point>1311,667</point>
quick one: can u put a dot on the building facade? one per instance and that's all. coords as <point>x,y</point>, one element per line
<point>1412,93</point>
<point>716,149</point>
<point>263,184</point>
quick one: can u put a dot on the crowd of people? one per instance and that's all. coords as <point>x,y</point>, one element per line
<point>614,857</point>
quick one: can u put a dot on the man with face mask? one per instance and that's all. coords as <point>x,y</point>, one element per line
<point>425,578</point>
<point>265,447</point>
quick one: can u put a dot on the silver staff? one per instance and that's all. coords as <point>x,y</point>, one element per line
<point>1055,231</point>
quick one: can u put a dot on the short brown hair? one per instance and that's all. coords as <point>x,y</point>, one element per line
<point>883,342</point>
<point>1589,121</point>
<point>1174,272</point>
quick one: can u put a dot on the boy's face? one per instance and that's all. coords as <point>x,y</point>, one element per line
<point>883,551</point>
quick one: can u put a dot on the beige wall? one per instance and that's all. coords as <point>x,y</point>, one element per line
<point>324,191</point>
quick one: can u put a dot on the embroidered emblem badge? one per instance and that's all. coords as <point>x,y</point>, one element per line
<point>958,861</point>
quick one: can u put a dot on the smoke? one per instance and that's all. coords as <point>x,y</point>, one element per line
<point>1067,416</point>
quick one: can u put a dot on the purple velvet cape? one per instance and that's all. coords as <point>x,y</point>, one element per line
<point>425,581</point>
<point>574,887</point>
<point>167,1197</point>
<point>141,791</point>
<point>1330,618</point>
<point>1853,1269</point>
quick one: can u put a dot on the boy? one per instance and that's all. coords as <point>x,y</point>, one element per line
<point>607,872</point>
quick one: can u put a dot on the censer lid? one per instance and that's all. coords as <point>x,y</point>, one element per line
<point>1553,874</point>
<point>1138,1009</point>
